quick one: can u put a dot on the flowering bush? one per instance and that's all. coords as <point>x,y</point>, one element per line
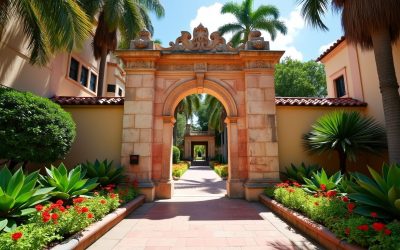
<point>54,221</point>
<point>221,170</point>
<point>337,213</point>
<point>179,169</point>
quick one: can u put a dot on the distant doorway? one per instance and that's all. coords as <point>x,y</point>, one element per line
<point>199,151</point>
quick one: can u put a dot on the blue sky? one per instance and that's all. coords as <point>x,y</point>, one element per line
<point>302,41</point>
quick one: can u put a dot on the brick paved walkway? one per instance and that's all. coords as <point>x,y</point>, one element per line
<point>200,217</point>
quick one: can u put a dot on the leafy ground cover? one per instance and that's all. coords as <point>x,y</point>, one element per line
<point>221,170</point>
<point>37,211</point>
<point>348,206</point>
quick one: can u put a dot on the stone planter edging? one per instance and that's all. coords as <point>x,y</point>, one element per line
<point>85,238</point>
<point>313,230</point>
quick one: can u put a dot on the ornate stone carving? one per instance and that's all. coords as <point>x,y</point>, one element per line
<point>224,67</point>
<point>256,42</point>
<point>140,65</point>
<point>259,64</point>
<point>200,67</point>
<point>175,67</point>
<point>201,41</point>
<point>143,41</point>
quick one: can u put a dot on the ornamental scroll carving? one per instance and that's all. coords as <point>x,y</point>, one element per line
<point>201,41</point>
<point>259,64</point>
<point>140,65</point>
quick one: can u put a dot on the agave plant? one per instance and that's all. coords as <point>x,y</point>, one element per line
<point>320,182</point>
<point>299,173</point>
<point>67,184</point>
<point>19,193</point>
<point>105,171</point>
<point>379,194</point>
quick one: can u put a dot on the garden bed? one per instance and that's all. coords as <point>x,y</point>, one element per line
<point>84,239</point>
<point>178,169</point>
<point>313,230</point>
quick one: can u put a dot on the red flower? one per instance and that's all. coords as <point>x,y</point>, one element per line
<point>345,199</point>
<point>347,231</point>
<point>316,204</point>
<point>282,185</point>
<point>84,210</point>
<point>378,226</point>
<point>59,202</point>
<point>287,181</point>
<point>68,206</point>
<point>374,214</point>
<point>363,227</point>
<point>16,236</point>
<point>331,193</point>
<point>78,200</point>
<point>62,209</point>
<point>46,216</point>
<point>103,201</point>
<point>316,195</point>
<point>296,184</point>
<point>323,187</point>
<point>290,190</point>
<point>387,232</point>
<point>54,216</point>
<point>90,215</point>
<point>350,207</point>
<point>135,183</point>
<point>112,195</point>
<point>39,208</point>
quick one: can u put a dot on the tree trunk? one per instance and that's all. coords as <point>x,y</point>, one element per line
<point>102,70</point>
<point>342,161</point>
<point>389,89</point>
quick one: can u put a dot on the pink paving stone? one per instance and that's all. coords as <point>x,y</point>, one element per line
<point>201,217</point>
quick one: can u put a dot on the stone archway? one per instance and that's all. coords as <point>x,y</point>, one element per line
<point>242,80</point>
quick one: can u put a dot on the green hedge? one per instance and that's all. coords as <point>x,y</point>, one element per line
<point>33,128</point>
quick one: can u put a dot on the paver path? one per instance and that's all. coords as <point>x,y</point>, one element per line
<point>200,217</point>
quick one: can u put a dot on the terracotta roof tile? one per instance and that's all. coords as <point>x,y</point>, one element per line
<point>328,102</point>
<point>73,100</point>
<point>279,101</point>
<point>329,50</point>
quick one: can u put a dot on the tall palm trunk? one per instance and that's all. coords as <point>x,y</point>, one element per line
<point>102,70</point>
<point>389,90</point>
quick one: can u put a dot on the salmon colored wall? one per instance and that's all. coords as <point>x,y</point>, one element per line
<point>361,77</point>
<point>98,134</point>
<point>293,122</point>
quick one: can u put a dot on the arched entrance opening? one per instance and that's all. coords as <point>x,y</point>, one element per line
<point>171,100</point>
<point>200,134</point>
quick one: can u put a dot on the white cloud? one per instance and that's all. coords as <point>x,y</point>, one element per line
<point>211,17</point>
<point>323,48</point>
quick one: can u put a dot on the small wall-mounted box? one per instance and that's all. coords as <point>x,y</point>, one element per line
<point>134,159</point>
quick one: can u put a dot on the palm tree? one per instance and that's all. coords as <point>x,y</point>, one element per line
<point>126,17</point>
<point>217,113</point>
<point>50,26</point>
<point>347,133</point>
<point>188,106</point>
<point>264,17</point>
<point>372,24</point>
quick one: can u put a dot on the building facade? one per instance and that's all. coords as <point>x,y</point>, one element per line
<point>67,74</point>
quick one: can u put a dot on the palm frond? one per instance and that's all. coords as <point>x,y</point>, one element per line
<point>230,27</point>
<point>5,9</point>
<point>232,8</point>
<point>265,10</point>
<point>153,5</point>
<point>313,10</point>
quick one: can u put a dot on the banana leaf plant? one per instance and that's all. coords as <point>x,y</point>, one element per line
<point>105,171</point>
<point>379,194</point>
<point>19,193</point>
<point>67,184</point>
<point>320,182</point>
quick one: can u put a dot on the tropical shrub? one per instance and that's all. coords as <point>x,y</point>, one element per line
<point>379,194</point>
<point>67,184</point>
<point>298,173</point>
<point>179,169</point>
<point>221,170</point>
<point>320,182</point>
<point>33,128</point>
<point>337,214</point>
<point>105,172</point>
<point>19,193</point>
<point>347,133</point>
<point>176,154</point>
